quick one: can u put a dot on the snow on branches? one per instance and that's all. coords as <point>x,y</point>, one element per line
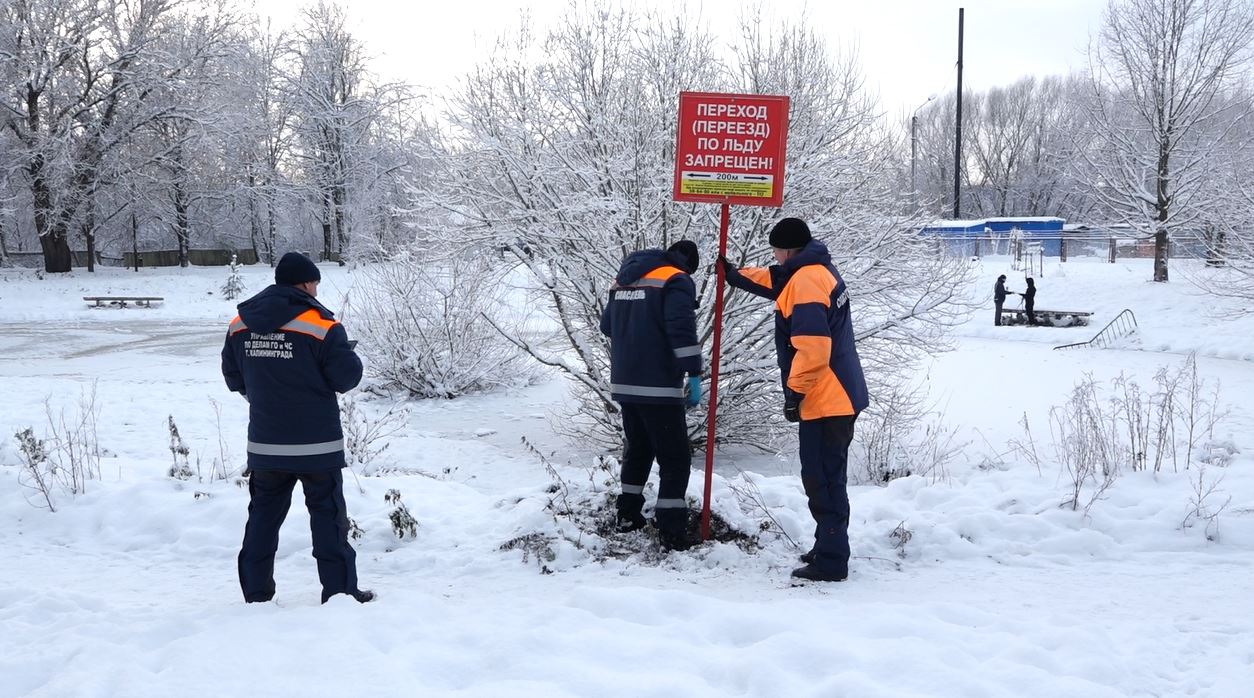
<point>564,162</point>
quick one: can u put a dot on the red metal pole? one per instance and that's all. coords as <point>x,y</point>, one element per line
<point>714,357</point>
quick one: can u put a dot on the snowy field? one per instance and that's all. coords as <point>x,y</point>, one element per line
<point>974,580</point>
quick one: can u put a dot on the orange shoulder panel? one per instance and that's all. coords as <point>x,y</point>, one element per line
<point>662,273</point>
<point>311,323</point>
<point>810,284</point>
<point>314,317</point>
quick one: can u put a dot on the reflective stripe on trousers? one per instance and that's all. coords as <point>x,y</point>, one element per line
<point>646,390</point>
<point>296,449</point>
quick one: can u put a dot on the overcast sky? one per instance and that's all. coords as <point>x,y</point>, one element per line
<point>908,48</point>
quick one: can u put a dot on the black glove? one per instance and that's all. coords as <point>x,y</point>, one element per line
<point>725,265</point>
<point>792,405</point>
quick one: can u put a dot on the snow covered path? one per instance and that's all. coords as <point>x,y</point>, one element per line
<point>125,624</point>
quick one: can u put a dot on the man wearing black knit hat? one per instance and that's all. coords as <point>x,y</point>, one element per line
<point>655,371</point>
<point>824,389</point>
<point>289,357</point>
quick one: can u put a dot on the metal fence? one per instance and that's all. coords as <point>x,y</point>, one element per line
<point>152,258</point>
<point>198,258</point>
<point>35,260</point>
<point>1064,247</point>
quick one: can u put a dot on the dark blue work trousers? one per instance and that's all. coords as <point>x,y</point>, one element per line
<point>271,497</point>
<point>656,431</point>
<point>824,475</point>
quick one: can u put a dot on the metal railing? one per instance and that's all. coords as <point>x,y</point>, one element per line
<point>1124,325</point>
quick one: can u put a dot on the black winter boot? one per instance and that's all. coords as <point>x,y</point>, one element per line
<point>814,574</point>
<point>626,523</point>
<point>675,541</point>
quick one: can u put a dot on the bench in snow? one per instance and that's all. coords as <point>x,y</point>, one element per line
<point>1055,318</point>
<point>121,301</point>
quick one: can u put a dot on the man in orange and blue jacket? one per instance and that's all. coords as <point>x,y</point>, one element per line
<point>655,371</point>
<point>824,388</point>
<point>289,357</point>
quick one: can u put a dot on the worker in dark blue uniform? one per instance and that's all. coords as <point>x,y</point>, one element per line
<point>824,387</point>
<point>655,372</point>
<point>289,357</point>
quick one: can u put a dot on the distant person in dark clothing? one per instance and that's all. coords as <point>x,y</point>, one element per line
<point>288,356</point>
<point>999,298</point>
<point>1029,301</point>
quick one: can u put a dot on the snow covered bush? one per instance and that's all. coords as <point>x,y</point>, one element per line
<point>571,520</point>
<point>66,457</point>
<point>428,327</point>
<point>36,473</point>
<point>366,437</point>
<point>1088,444</point>
<point>221,468</point>
<point>900,537</point>
<point>1097,435</point>
<point>900,438</point>
<point>403,522</point>
<point>234,286</point>
<point>561,155</point>
<point>1204,504</point>
<point>535,545</point>
<point>181,469</point>
<point>75,446</point>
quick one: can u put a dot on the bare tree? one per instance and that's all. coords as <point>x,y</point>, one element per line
<point>170,114</point>
<point>42,43</point>
<point>74,100</point>
<point>341,124</point>
<point>264,141</point>
<point>935,153</point>
<point>1020,142</point>
<point>1157,74</point>
<point>1020,154</point>
<point>190,59</point>
<point>1227,231</point>
<point>565,163</point>
<point>87,78</point>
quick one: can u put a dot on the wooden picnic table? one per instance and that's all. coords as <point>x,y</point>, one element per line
<point>121,301</point>
<point>1045,316</point>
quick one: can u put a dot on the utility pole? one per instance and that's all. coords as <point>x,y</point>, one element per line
<point>134,240</point>
<point>958,132</point>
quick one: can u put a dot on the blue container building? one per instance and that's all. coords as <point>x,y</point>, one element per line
<point>994,234</point>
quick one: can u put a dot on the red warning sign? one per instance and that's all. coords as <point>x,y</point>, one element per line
<point>731,148</point>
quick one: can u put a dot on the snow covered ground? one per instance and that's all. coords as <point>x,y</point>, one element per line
<point>975,582</point>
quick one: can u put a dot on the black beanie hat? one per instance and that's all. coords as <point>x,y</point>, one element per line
<point>790,234</point>
<point>684,253</point>
<point>295,268</point>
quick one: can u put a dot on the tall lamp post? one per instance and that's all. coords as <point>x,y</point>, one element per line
<point>914,124</point>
